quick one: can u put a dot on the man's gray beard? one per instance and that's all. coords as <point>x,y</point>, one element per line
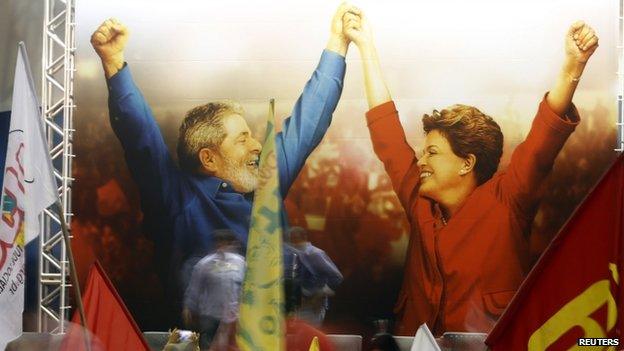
<point>239,175</point>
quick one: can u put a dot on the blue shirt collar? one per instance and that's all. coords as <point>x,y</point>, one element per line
<point>215,184</point>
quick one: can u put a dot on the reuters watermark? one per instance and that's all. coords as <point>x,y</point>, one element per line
<point>598,342</point>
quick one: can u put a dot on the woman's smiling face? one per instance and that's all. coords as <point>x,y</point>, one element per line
<point>440,167</point>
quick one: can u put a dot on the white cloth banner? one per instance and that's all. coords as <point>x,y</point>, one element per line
<point>424,340</point>
<point>29,187</point>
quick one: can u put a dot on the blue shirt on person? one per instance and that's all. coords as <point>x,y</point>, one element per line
<point>180,209</point>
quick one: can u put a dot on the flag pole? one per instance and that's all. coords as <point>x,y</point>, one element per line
<point>73,274</point>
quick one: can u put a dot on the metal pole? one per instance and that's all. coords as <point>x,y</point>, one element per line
<point>42,221</point>
<point>620,79</point>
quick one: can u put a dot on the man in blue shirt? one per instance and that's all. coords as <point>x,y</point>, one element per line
<point>212,187</point>
<point>211,298</point>
<point>318,276</point>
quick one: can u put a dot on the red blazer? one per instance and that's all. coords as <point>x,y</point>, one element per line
<point>299,336</point>
<point>460,277</point>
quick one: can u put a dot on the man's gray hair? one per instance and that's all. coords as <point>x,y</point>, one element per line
<point>203,128</point>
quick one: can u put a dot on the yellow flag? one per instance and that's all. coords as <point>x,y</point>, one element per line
<point>261,320</point>
<point>314,346</point>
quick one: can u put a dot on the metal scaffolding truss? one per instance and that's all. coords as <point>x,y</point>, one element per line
<point>620,96</point>
<point>57,105</point>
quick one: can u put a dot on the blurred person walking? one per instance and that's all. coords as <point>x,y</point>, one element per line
<point>212,296</point>
<point>318,277</point>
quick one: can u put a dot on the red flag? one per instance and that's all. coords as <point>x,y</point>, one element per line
<point>110,324</point>
<point>575,289</point>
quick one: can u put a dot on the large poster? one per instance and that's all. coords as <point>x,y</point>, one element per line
<point>501,57</point>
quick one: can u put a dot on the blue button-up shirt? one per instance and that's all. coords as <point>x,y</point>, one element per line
<point>215,285</point>
<point>181,210</point>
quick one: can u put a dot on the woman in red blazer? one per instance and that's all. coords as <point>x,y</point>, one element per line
<point>468,249</point>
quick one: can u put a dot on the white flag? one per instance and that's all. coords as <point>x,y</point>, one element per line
<point>29,187</point>
<point>424,340</point>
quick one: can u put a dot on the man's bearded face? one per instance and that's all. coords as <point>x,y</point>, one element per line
<point>238,155</point>
<point>241,173</point>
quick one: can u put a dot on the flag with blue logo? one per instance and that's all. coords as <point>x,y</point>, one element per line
<point>28,188</point>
